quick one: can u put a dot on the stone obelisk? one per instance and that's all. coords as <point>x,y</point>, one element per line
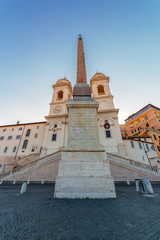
<point>84,170</point>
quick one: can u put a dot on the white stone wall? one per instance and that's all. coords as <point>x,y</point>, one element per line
<point>49,145</point>
<point>109,143</point>
<point>20,130</point>
<point>138,154</point>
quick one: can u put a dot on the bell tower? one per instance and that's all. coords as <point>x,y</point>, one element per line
<point>101,91</point>
<point>57,120</point>
<point>62,92</point>
<point>110,138</point>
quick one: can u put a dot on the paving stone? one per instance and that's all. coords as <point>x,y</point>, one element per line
<point>37,216</point>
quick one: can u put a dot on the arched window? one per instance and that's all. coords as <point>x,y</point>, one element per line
<point>100,90</point>
<point>60,95</point>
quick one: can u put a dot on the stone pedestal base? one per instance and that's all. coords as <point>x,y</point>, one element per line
<point>84,174</point>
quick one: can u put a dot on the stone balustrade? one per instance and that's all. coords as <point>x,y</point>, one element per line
<point>133,163</point>
<point>41,161</point>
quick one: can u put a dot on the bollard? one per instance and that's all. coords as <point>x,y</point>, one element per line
<point>2,168</point>
<point>128,182</point>
<point>14,182</point>
<point>147,186</point>
<point>23,188</point>
<point>1,181</point>
<point>42,182</point>
<point>137,184</point>
<point>28,181</point>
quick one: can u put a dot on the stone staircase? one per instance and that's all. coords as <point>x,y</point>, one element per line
<point>46,169</point>
<point>124,169</point>
<point>7,164</point>
<point>20,172</point>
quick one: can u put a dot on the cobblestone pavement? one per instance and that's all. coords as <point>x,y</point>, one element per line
<point>37,216</point>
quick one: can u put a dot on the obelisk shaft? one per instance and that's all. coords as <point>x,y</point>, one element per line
<point>81,68</point>
<point>81,88</point>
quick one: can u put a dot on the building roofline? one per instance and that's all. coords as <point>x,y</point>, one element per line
<point>153,130</point>
<point>142,109</point>
<point>22,124</point>
<point>132,137</point>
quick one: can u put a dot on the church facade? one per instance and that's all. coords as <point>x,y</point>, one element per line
<point>44,138</point>
<point>57,121</point>
<point>51,135</point>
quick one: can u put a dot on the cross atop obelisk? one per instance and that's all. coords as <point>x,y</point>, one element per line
<point>81,89</point>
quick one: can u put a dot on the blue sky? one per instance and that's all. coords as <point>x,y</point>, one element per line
<point>38,46</point>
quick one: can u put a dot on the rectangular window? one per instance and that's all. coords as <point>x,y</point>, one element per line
<point>4,130</point>
<point>140,145</point>
<point>154,136</point>
<point>5,150</point>
<point>36,135</point>
<point>108,134</point>
<point>132,144</point>
<point>9,137</point>
<point>153,148</point>
<point>12,129</point>
<point>37,127</point>
<point>28,132</point>
<point>20,128</point>
<point>147,147</point>
<point>14,149</point>
<point>54,136</point>
<point>158,148</point>
<point>1,138</point>
<point>25,143</point>
<point>146,118</point>
<point>18,136</point>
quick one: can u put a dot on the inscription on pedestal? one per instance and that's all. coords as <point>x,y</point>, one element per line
<point>83,128</point>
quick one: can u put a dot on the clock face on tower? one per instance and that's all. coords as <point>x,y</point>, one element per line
<point>57,109</point>
<point>103,105</point>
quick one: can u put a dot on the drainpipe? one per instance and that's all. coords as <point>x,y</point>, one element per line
<point>64,133</point>
<point>146,154</point>
<point>19,143</point>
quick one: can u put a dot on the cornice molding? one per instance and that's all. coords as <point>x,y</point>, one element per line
<point>56,116</point>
